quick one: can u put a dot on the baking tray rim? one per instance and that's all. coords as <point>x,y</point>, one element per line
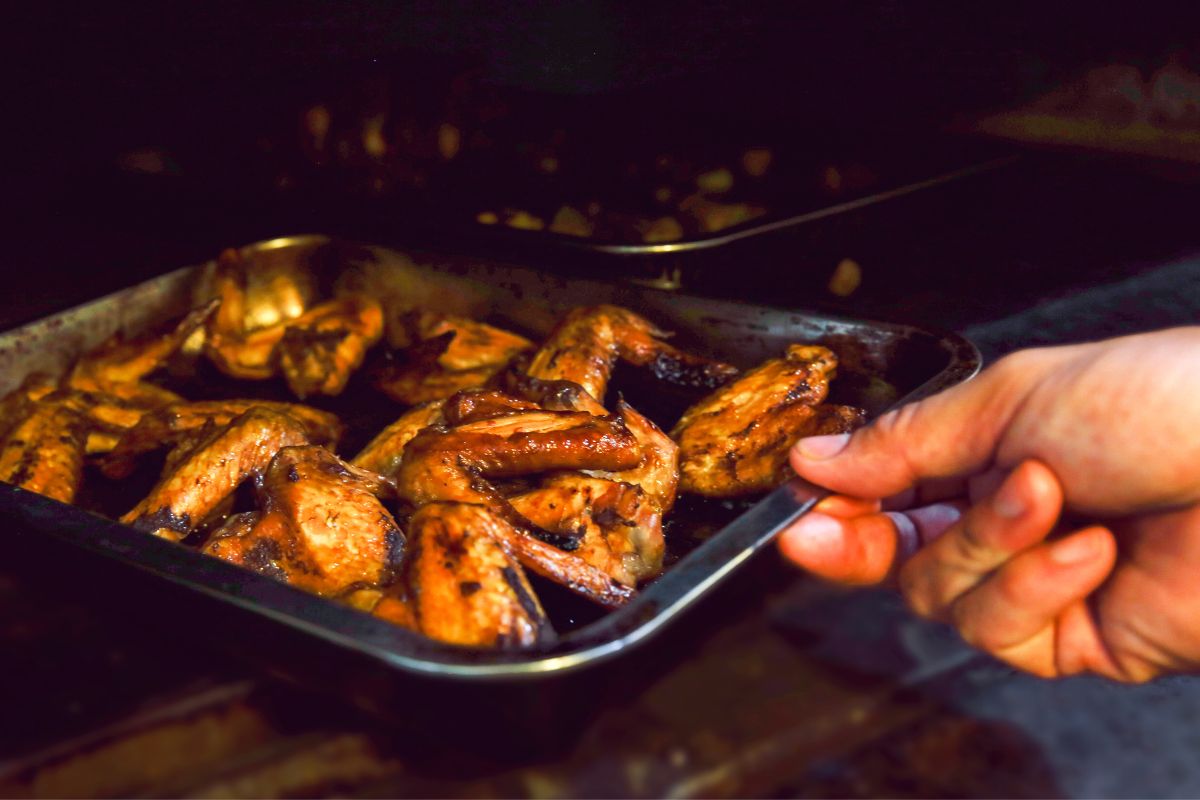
<point>349,628</point>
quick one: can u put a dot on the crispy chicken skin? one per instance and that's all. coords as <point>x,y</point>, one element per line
<point>200,482</point>
<point>735,441</point>
<point>585,346</point>
<point>453,464</point>
<point>384,453</point>
<point>474,405</point>
<point>322,528</point>
<point>619,525</point>
<point>44,452</point>
<point>463,587</point>
<point>445,354</point>
<point>178,422</point>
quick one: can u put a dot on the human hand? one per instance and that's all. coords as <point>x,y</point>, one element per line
<point>1049,509</point>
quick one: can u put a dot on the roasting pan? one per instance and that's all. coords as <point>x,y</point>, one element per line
<point>375,663</point>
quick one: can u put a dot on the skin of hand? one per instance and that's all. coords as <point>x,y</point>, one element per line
<point>1049,509</point>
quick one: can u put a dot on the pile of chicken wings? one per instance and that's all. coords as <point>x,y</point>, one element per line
<point>508,457</point>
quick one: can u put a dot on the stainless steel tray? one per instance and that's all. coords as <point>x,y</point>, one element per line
<point>882,364</point>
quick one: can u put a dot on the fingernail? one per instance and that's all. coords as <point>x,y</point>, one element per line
<point>1074,550</point>
<point>819,448</point>
<point>1009,501</point>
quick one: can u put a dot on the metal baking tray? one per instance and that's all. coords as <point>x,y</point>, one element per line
<point>335,646</point>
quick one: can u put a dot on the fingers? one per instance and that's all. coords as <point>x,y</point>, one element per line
<point>1019,515</point>
<point>954,433</point>
<point>849,541</point>
<point>1032,613</point>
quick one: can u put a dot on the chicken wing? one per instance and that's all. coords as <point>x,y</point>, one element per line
<point>619,525</point>
<point>316,350</point>
<point>212,470</point>
<point>320,350</point>
<point>474,405</point>
<point>323,528</point>
<point>452,464</point>
<point>44,452</point>
<point>178,422</point>
<point>463,587</point>
<point>120,363</point>
<point>384,453</point>
<point>587,343</point>
<point>657,472</point>
<point>735,442</point>
<point>446,354</point>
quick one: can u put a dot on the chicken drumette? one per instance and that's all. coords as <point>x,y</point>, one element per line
<point>735,441</point>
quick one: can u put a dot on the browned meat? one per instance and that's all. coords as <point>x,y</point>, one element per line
<point>735,441</point>
<point>121,363</point>
<point>619,525</point>
<point>657,473</point>
<point>323,528</point>
<point>587,343</point>
<point>316,350</point>
<point>321,349</point>
<point>384,453</point>
<point>177,422</point>
<point>446,354</point>
<point>198,483</point>
<point>452,464</point>
<point>479,404</point>
<point>44,452</point>
<point>463,587</point>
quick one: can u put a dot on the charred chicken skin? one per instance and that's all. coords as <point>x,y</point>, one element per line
<point>322,527</point>
<point>461,584</point>
<point>44,451</point>
<point>200,481</point>
<point>618,525</point>
<point>735,441</point>
<point>587,343</point>
<point>445,354</point>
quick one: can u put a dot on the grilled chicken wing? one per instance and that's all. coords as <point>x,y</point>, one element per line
<point>453,464</point>
<point>384,453</point>
<point>212,470</point>
<point>463,587</point>
<point>619,525</point>
<point>179,422</point>
<point>587,343</point>
<point>44,452</point>
<point>446,354</point>
<point>316,350</point>
<point>321,349</point>
<point>118,363</point>
<point>735,442</point>
<point>323,528</point>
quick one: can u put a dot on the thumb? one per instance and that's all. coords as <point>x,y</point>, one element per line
<point>956,432</point>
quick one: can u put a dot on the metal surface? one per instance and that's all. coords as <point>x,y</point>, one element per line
<point>882,364</point>
<point>769,225</point>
